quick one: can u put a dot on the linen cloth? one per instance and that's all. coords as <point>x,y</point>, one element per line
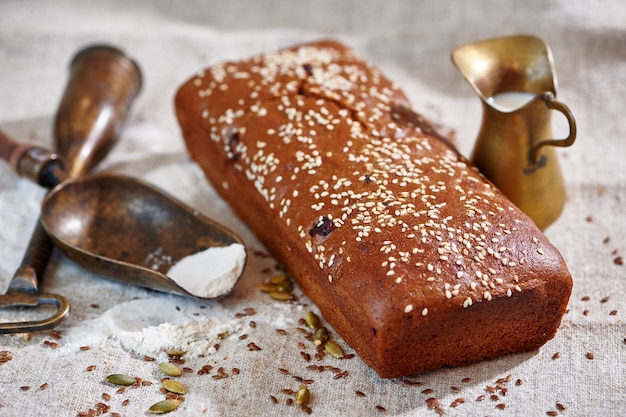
<point>581,372</point>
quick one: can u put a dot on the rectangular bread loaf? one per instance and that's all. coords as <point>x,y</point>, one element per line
<point>415,259</point>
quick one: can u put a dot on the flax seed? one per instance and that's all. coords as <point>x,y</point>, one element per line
<point>253,347</point>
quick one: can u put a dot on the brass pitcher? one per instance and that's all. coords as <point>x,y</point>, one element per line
<point>516,82</point>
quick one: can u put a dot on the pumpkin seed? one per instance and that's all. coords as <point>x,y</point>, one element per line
<point>312,320</point>
<point>121,379</point>
<point>170,369</point>
<point>281,296</point>
<point>174,386</point>
<point>320,336</point>
<point>303,395</point>
<point>164,406</point>
<point>286,286</point>
<point>334,349</point>
<point>281,283</point>
<point>175,352</point>
<point>278,279</point>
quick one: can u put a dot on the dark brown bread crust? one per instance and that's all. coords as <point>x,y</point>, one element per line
<point>415,259</point>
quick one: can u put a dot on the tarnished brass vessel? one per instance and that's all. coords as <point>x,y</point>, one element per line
<point>515,80</point>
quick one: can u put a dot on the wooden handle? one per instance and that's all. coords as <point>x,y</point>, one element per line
<point>8,147</point>
<point>33,267</point>
<point>33,162</point>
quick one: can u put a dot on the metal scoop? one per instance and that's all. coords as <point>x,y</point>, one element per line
<point>102,84</point>
<point>130,231</point>
<point>125,229</point>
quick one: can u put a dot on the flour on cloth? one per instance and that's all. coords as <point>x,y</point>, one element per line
<point>154,327</point>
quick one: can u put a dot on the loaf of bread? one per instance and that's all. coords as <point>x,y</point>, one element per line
<point>414,258</point>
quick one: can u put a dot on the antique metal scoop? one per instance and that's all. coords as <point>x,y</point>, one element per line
<point>127,230</point>
<point>103,83</point>
<point>514,78</point>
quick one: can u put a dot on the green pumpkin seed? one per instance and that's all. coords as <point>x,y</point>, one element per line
<point>164,406</point>
<point>278,279</point>
<point>334,349</point>
<point>174,386</point>
<point>281,296</point>
<point>170,369</point>
<point>267,287</point>
<point>121,379</point>
<point>320,336</point>
<point>303,395</point>
<point>312,320</point>
<point>286,286</point>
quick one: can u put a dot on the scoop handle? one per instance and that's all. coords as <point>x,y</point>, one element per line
<point>103,83</point>
<point>33,162</point>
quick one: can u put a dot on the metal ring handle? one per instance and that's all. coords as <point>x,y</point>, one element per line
<point>17,299</point>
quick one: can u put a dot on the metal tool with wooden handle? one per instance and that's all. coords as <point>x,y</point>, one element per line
<point>103,83</point>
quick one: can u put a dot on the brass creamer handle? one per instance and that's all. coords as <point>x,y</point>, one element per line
<point>552,104</point>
